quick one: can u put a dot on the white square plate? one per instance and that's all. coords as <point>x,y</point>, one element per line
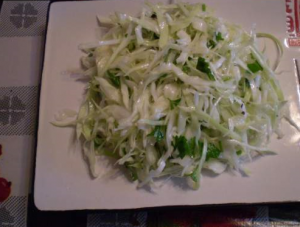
<point>62,180</point>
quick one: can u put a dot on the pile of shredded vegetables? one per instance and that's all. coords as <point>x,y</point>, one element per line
<point>175,91</point>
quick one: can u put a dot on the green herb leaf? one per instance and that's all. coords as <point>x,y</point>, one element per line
<point>254,67</point>
<point>184,146</point>
<point>192,144</point>
<point>200,147</point>
<point>219,36</point>
<point>161,77</point>
<point>221,146</point>
<point>191,31</point>
<point>115,80</point>
<point>149,34</point>
<point>226,78</point>
<point>247,83</point>
<point>212,151</point>
<point>158,133</point>
<point>211,44</point>
<point>188,147</point>
<point>194,175</point>
<point>203,7</point>
<point>186,69</point>
<point>109,153</point>
<point>174,103</point>
<point>203,66</point>
<point>239,152</point>
<point>98,141</point>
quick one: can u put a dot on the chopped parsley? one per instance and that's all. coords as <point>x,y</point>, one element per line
<point>98,141</point>
<point>174,103</point>
<point>211,44</point>
<point>158,133</point>
<point>239,152</point>
<point>203,66</point>
<point>247,83</point>
<point>161,77</point>
<point>184,146</point>
<point>186,69</point>
<point>219,36</point>
<point>212,151</point>
<point>254,67</point>
<point>115,80</point>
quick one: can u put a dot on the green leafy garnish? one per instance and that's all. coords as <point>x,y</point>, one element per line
<point>211,44</point>
<point>191,31</point>
<point>220,145</point>
<point>247,83</point>
<point>186,69</point>
<point>194,175</point>
<point>161,77</point>
<point>203,66</point>
<point>192,144</point>
<point>239,152</point>
<point>174,103</point>
<point>212,151</point>
<point>226,78</point>
<point>254,67</point>
<point>203,7</point>
<point>158,133</point>
<point>184,146</point>
<point>149,34</point>
<point>98,141</point>
<point>219,36</point>
<point>115,80</point>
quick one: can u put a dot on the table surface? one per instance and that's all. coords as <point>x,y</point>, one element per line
<point>22,34</point>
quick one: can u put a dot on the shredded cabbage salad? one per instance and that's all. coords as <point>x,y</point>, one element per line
<point>175,91</point>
